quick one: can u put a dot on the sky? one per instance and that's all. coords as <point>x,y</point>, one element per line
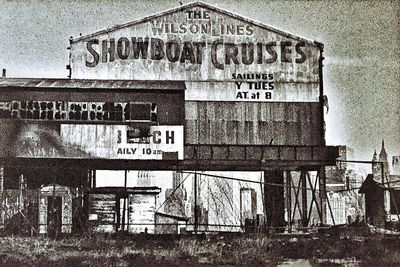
<point>361,39</point>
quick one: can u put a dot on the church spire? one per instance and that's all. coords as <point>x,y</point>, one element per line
<point>383,154</point>
<point>375,156</point>
<point>383,157</point>
<point>375,165</point>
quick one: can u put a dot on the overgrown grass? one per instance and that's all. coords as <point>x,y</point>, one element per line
<point>151,250</point>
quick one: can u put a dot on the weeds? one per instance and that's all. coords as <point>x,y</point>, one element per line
<point>153,250</point>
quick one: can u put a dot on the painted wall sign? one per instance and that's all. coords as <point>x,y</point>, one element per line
<point>176,50</point>
<point>201,43</point>
<point>246,83</point>
<point>117,141</point>
<point>91,141</point>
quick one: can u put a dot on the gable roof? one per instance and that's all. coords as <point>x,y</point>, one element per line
<point>370,183</point>
<point>172,216</point>
<point>190,5</point>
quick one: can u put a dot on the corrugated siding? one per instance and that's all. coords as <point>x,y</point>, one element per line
<point>296,123</point>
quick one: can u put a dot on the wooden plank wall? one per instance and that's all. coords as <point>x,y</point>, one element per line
<point>102,210</point>
<point>256,123</point>
<point>142,213</point>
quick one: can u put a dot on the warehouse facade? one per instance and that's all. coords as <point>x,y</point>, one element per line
<point>192,88</point>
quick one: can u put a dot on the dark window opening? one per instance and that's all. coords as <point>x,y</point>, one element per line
<point>79,111</point>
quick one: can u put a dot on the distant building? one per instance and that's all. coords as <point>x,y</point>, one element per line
<point>248,204</point>
<point>396,165</point>
<point>195,207</point>
<point>144,178</point>
<point>379,163</point>
<point>338,172</point>
<point>338,207</point>
<point>340,180</point>
<point>222,210</point>
<point>382,191</point>
<point>176,197</point>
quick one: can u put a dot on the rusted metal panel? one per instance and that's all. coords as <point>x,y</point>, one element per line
<point>254,123</point>
<point>221,152</point>
<point>304,153</point>
<point>237,152</point>
<point>191,131</point>
<point>190,152</point>
<point>271,153</point>
<point>204,152</point>
<point>204,131</point>
<point>253,153</point>
<point>288,153</point>
<point>261,153</point>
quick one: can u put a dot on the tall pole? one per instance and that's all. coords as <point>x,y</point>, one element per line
<point>322,192</point>
<point>53,215</point>
<point>196,219</point>
<point>304,197</point>
<point>1,194</point>
<point>289,199</point>
<point>94,178</point>
<point>124,206</point>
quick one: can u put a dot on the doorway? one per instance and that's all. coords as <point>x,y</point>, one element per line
<point>54,212</point>
<point>122,214</point>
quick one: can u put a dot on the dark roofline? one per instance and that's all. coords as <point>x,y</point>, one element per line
<point>172,216</point>
<point>91,84</point>
<point>369,181</point>
<point>153,190</point>
<point>189,5</point>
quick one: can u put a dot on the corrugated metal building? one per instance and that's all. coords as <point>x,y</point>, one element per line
<point>191,88</point>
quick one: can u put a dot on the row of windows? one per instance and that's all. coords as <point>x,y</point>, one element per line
<point>79,111</point>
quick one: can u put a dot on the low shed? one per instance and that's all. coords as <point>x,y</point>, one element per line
<point>113,209</point>
<point>382,199</point>
<point>169,224</point>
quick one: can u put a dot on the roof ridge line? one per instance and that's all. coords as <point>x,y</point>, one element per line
<point>188,5</point>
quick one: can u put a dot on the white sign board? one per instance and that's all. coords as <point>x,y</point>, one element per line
<point>113,142</point>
